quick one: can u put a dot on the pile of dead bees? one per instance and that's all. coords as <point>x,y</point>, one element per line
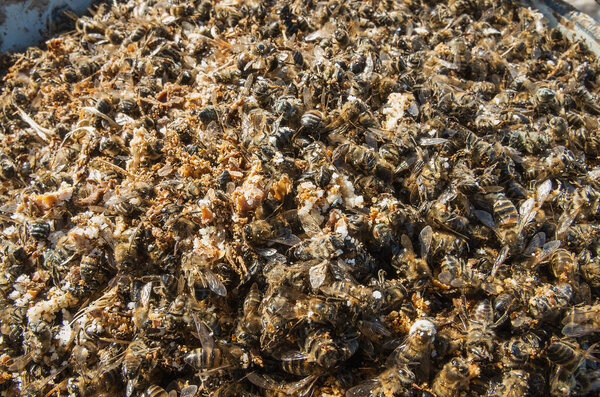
<point>244,198</point>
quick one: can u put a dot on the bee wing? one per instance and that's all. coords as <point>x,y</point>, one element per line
<point>214,283</point>
<point>549,248</point>
<point>206,340</point>
<point>272,255</point>
<point>303,387</point>
<point>363,390</point>
<point>457,283</point>
<point>432,141</point>
<point>526,212</point>
<point>537,241</point>
<point>189,391</point>
<point>294,355</point>
<point>445,277</point>
<point>485,218</point>
<point>317,275</point>
<point>448,195</point>
<point>307,97</point>
<point>145,294</point>
<point>565,220</point>
<point>407,244</point>
<point>594,174</point>
<point>500,259</point>
<point>19,363</point>
<point>381,134</point>
<point>289,239</point>
<point>580,315</point>
<point>425,238</point>
<point>573,330</point>
<point>262,381</point>
<point>373,329</point>
<point>309,223</point>
<point>343,271</point>
<point>543,191</point>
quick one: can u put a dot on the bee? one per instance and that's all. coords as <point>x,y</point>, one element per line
<point>514,383</point>
<point>549,300</point>
<point>155,391</point>
<point>348,115</point>
<point>519,350</point>
<point>391,382</point>
<point>581,321</point>
<point>140,311</point>
<point>443,243</point>
<point>92,383</point>
<point>359,157</point>
<point>91,267</point>
<point>320,352</point>
<point>312,309</point>
<point>563,265</point>
<point>198,273</point>
<point>287,106</point>
<point>181,10</point>
<point>320,348</point>
<point>568,356</point>
<point>128,105</point>
<point>581,235</point>
<point>416,348</point>
<point>504,211</point>
<point>274,323</point>
<point>132,360</point>
<point>104,105</point>
<point>480,332</point>
<point>312,120</point>
<point>8,170</point>
<point>39,230</point>
<point>455,273</point>
<point>273,230</point>
<point>453,379</point>
<point>370,186</point>
<point>208,356</point>
<point>16,319</point>
<point>340,36</point>
<point>587,100</point>
<point>114,35</point>
<point>250,323</point>
<point>461,55</point>
<point>545,100</point>
<point>111,146</point>
<point>408,264</point>
<point>589,266</point>
<point>511,234</point>
<point>323,246</point>
<point>138,33</point>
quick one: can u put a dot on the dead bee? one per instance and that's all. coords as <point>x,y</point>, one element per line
<point>549,300</point>
<point>407,263</point>
<point>249,325</point>
<point>453,378</point>
<point>393,381</point>
<point>515,382</point>
<point>416,348</point>
<point>589,267</point>
<point>208,356</point>
<point>39,230</point>
<point>480,332</point>
<point>198,273</point>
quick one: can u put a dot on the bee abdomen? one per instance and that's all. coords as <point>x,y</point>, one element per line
<point>201,358</point>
